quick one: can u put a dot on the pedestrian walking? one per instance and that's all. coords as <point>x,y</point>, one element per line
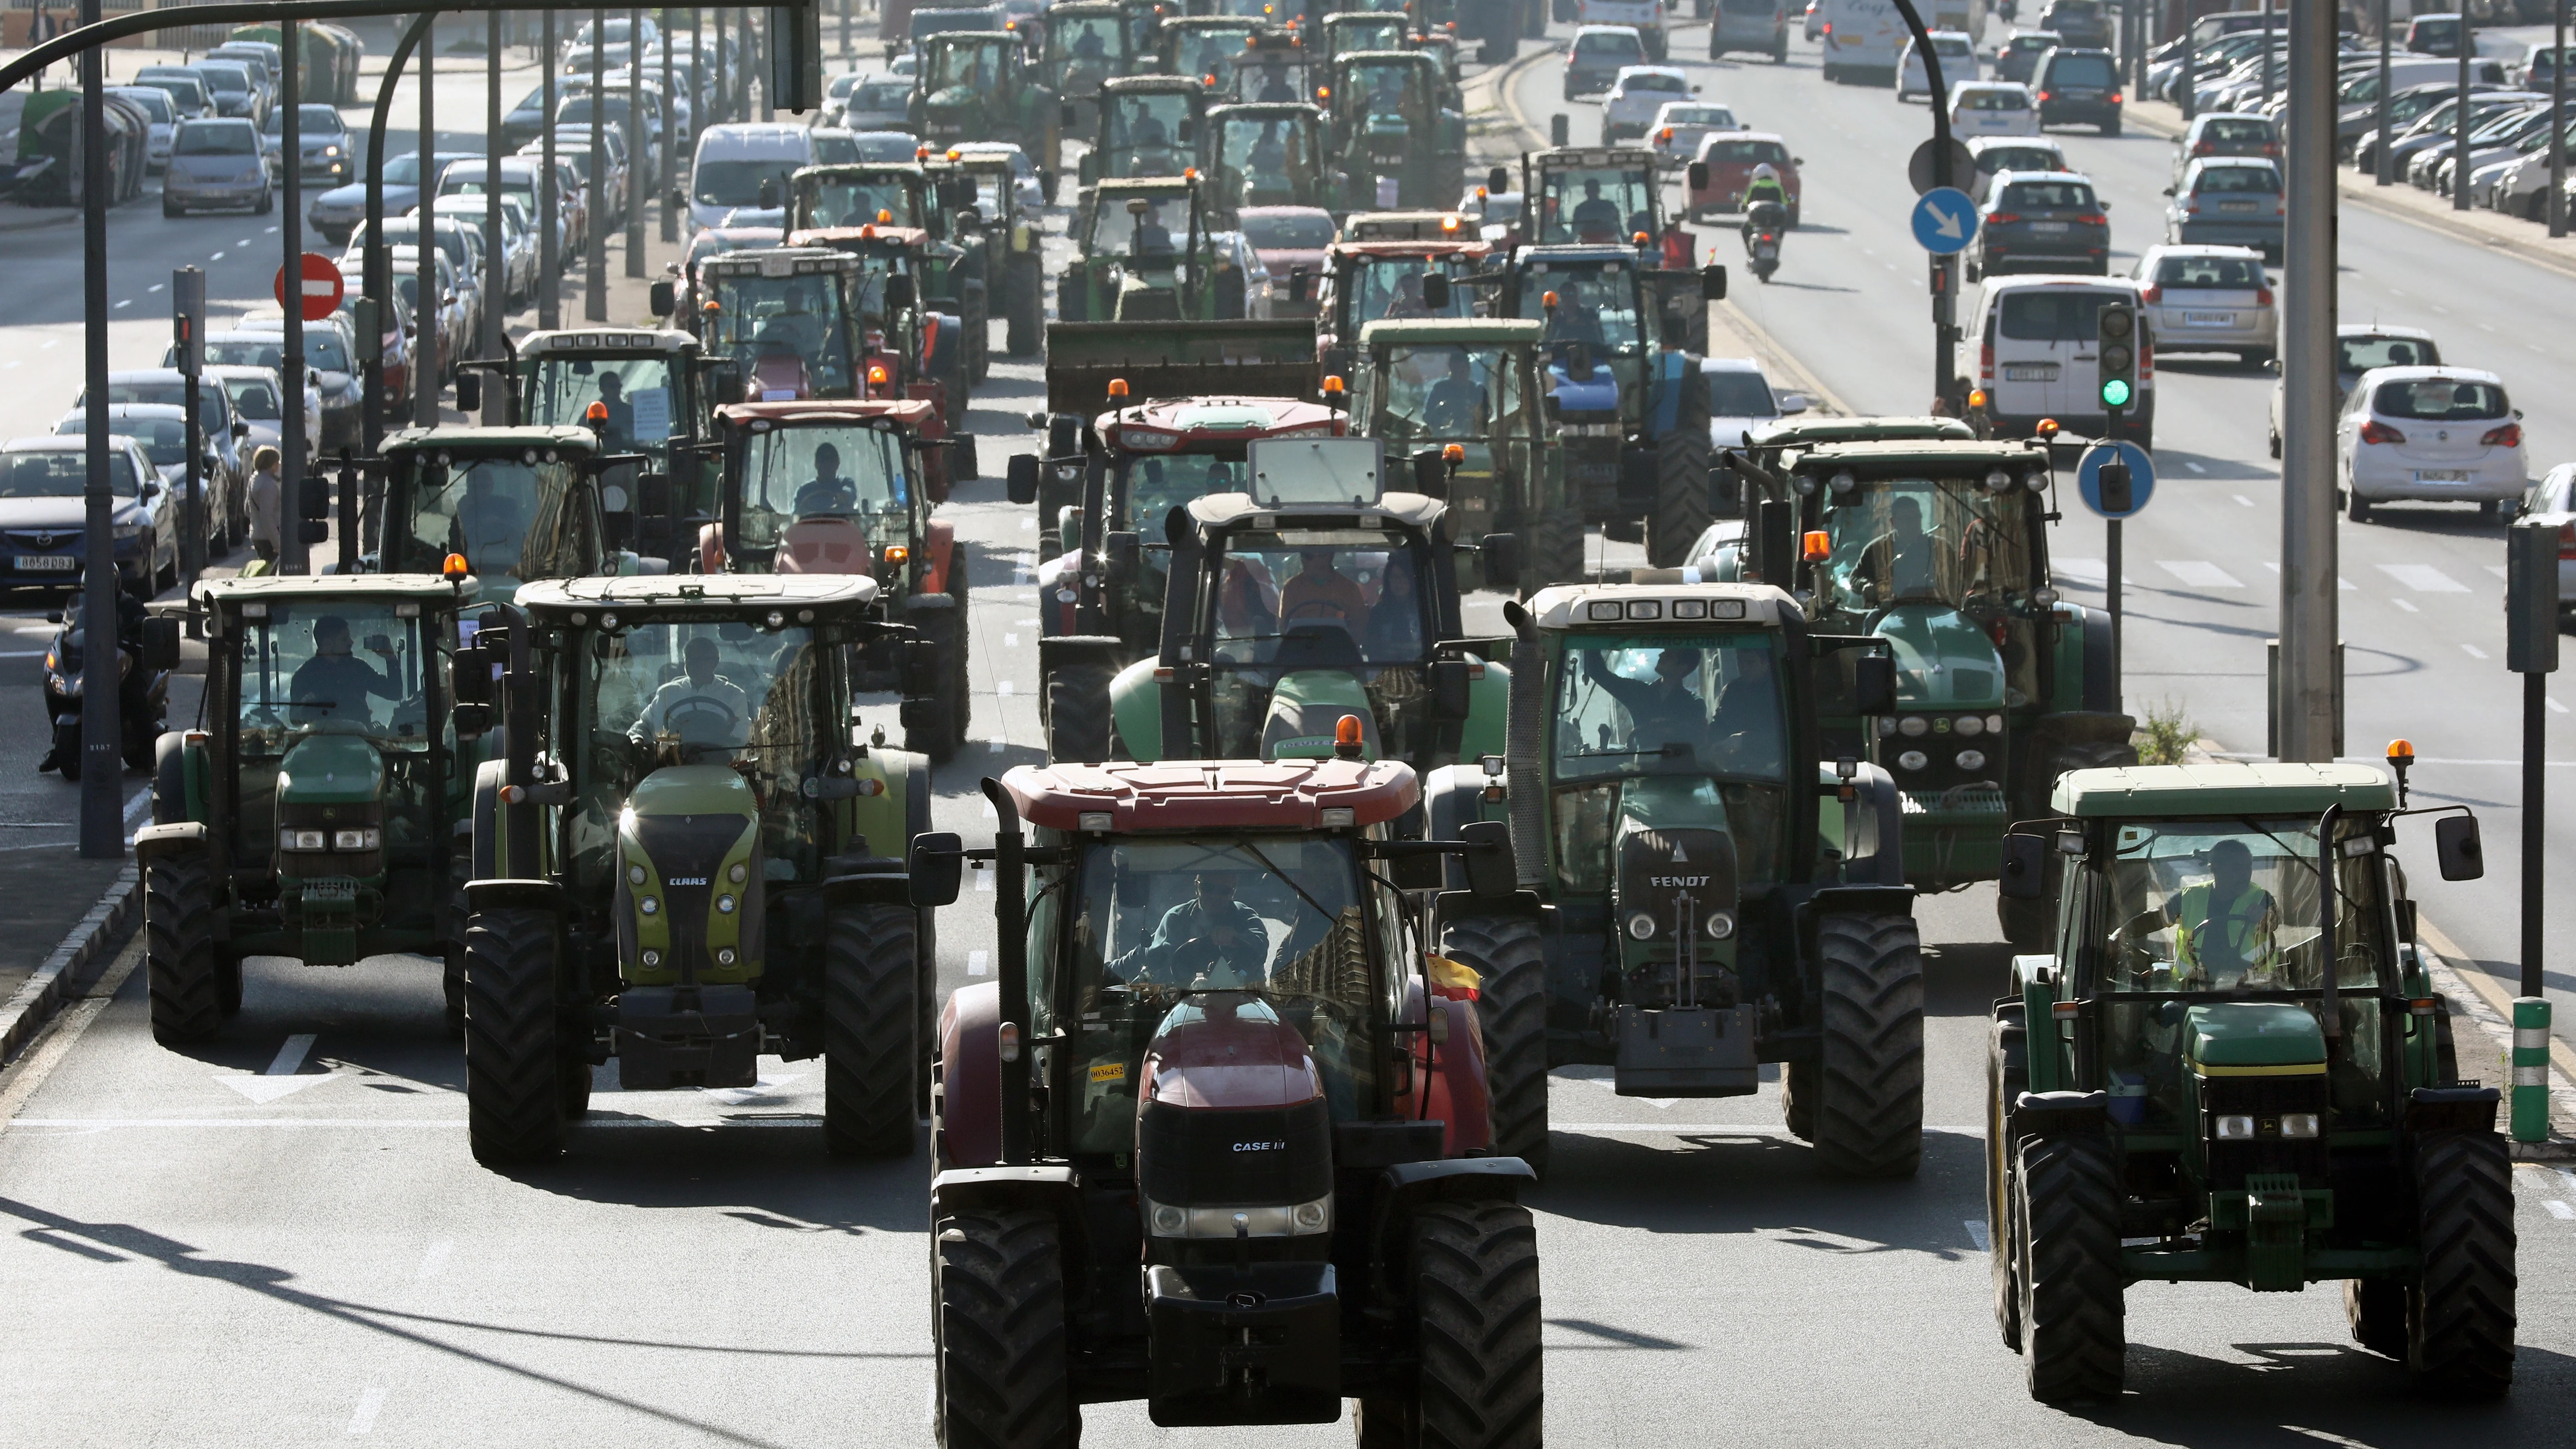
<point>265,490</point>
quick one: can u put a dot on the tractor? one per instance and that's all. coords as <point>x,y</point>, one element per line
<point>1601,195</point>
<point>1144,256</point>
<point>1275,67</point>
<point>1149,126</point>
<point>949,262</point>
<point>785,316</point>
<point>907,347</point>
<point>519,504</point>
<point>1362,30</point>
<point>1268,154</point>
<point>315,814</point>
<point>1388,134</point>
<point>1365,281</point>
<point>1208,961</point>
<point>1711,889</point>
<point>653,390</point>
<point>1006,240</point>
<point>980,85</point>
<point>848,488</point>
<point>1206,46</point>
<point>2247,1075</point>
<point>678,859</point>
<point>1086,44</point>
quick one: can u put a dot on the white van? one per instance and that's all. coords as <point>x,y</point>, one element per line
<point>733,162</point>
<point>2030,347</point>
<point>1861,40</point>
<point>1645,16</point>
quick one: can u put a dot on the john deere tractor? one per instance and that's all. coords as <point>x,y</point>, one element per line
<point>1269,155</point>
<point>1144,256</point>
<point>1149,126</point>
<point>1215,1138</point>
<point>518,504</point>
<point>1086,44</point>
<point>315,815</point>
<point>981,85</point>
<point>653,390</point>
<point>1005,242</point>
<point>681,860</point>
<point>1711,888</point>
<point>1387,133</point>
<point>2234,1068</point>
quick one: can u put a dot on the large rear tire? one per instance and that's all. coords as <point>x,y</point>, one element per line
<point>1024,329</point>
<point>933,726</point>
<point>1476,1315</point>
<point>2007,1077</point>
<point>997,1297</point>
<point>1554,554</point>
<point>870,1060</point>
<point>2460,1319</point>
<point>1511,1010</point>
<point>514,1059</point>
<point>1869,1113</point>
<point>1681,481</point>
<point>2067,1257</point>
<point>1077,698</point>
<point>179,948</point>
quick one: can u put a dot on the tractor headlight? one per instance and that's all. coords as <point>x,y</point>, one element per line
<point>1969,724</point>
<point>357,839</point>
<point>635,875</point>
<point>1642,926</point>
<point>1169,1222</point>
<point>1311,1217</point>
<point>2298,1124</point>
<point>724,905</point>
<point>1994,724</point>
<point>1972,760</point>
<point>1913,724</point>
<point>1297,1220</point>
<point>1720,925</point>
<point>652,958</point>
<point>649,905</point>
<point>740,873</point>
<point>1912,760</point>
<point>2235,1128</point>
<point>299,840</point>
<point>725,957</point>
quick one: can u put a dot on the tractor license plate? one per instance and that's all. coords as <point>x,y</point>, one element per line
<point>2032,372</point>
<point>1594,472</point>
<point>2441,475</point>
<point>2209,319</point>
<point>48,563</point>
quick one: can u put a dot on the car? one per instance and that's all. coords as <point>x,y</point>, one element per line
<point>450,327</point>
<point>2043,221</point>
<point>2416,434</point>
<point>1674,133</point>
<point>1958,63</point>
<point>1596,55</point>
<point>897,146</point>
<point>2030,347</point>
<point>2083,22</point>
<point>518,243</point>
<point>1635,95</point>
<point>258,398</point>
<point>332,371</point>
<point>330,152</point>
<point>186,89</point>
<point>2078,88</point>
<point>572,199</point>
<point>1997,154</point>
<point>2359,347</point>
<point>879,103</point>
<point>2228,133</point>
<point>1758,26</point>
<point>2538,70</point>
<point>1235,252</point>
<point>337,212</point>
<point>1740,399</point>
<point>2552,502</point>
<point>1992,108</point>
<point>1812,25</point>
<point>1291,240</point>
<point>163,117</point>
<point>2018,57</point>
<point>2230,201</point>
<point>2208,299</point>
<point>44,482</point>
<point>1025,186</point>
<point>460,242</point>
<point>1725,164</point>
<point>217,163</point>
<point>1646,17</point>
<point>222,429</point>
<point>240,347</point>
<point>160,431</point>
<point>612,192</point>
<point>236,93</point>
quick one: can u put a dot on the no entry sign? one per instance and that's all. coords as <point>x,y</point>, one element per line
<point>322,286</point>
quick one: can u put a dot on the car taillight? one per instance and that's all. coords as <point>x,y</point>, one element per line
<point>2092,218</point>
<point>2002,216</point>
<point>2114,98</point>
<point>2272,150</point>
<point>2152,294</point>
<point>2567,540</point>
<point>1986,360</point>
<point>2043,95</point>
<point>2508,436</point>
<point>2262,296</point>
<point>2375,431</point>
<point>2204,148</point>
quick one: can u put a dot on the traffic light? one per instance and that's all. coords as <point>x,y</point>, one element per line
<point>2116,355</point>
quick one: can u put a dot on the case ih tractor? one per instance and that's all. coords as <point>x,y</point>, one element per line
<point>848,488</point>
<point>2241,1073</point>
<point>982,85</point>
<point>315,815</point>
<point>680,861</point>
<point>1710,889</point>
<point>1205,957</point>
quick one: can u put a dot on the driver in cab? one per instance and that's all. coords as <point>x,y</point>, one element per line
<point>2226,929</point>
<point>701,707</point>
<point>1321,591</point>
<point>335,682</point>
<point>1595,216</point>
<point>1211,939</point>
<point>1455,406</point>
<point>1902,563</point>
<point>1661,711</point>
<point>828,491</point>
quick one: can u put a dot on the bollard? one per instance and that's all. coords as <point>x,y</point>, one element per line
<point>2530,1069</point>
<point>1558,130</point>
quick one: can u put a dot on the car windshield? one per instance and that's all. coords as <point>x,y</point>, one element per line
<point>1292,231</point>
<point>2046,196</point>
<point>1157,934</point>
<point>2236,273</point>
<point>1654,81</point>
<point>803,315</point>
<point>2236,178</point>
<point>215,138</point>
<point>2000,99</point>
<point>883,146</point>
<point>247,352</point>
<point>1600,45</point>
<point>154,102</point>
<point>1740,395</point>
<point>311,120</point>
<point>1586,205</point>
<point>2361,354</point>
<point>1443,393</point>
<point>1744,153</point>
<point>821,481</point>
<point>1699,116</point>
<point>738,183</point>
<point>186,91</point>
<point>855,201</point>
<point>1146,227</point>
<point>2018,158</point>
<point>2089,71</point>
<point>636,390</point>
<point>1596,304</point>
<point>338,666</point>
<point>513,520</point>
<point>2439,400</point>
<point>1928,540</point>
<point>63,474</point>
<point>253,398</point>
<point>164,440</point>
<point>889,94</point>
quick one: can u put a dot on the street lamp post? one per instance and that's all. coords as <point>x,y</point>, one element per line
<point>102,806</point>
<point>2460,119</point>
<point>594,305</point>
<point>549,199</point>
<point>638,165</point>
<point>429,349</point>
<point>291,545</point>
<point>2309,692</point>
<point>496,264</point>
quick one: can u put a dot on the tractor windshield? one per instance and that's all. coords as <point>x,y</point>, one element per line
<point>1946,542</point>
<point>824,481</point>
<point>976,64</point>
<point>1596,304</point>
<point>1385,34</point>
<point>1153,228</point>
<point>337,666</point>
<point>882,200</point>
<point>1594,204</point>
<point>1444,393</point>
<point>1292,603</point>
<point>513,519</point>
<point>1210,53</point>
<point>1146,932</point>
<point>1379,288</point>
<point>1272,78</point>
<point>1267,154</point>
<point>1384,91</point>
<point>1086,49</point>
<point>637,390</point>
<point>1153,134</point>
<point>799,316</point>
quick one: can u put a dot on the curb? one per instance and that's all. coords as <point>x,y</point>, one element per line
<point>68,969</point>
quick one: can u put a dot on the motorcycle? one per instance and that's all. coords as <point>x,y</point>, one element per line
<point>1764,223</point>
<point>144,661</point>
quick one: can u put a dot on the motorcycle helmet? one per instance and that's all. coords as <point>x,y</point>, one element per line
<point>1764,172</point>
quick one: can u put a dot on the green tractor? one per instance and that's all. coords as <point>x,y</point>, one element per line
<point>981,85</point>
<point>1713,890</point>
<point>654,392</point>
<point>1206,46</point>
<point>518,504</point>
<point>681,860</point>
<point>1145,256</point>
<point>1149,126</point>
<point>1005,241</point>
<point>1473,384</point>
<point>834,206</point>
<point>315,815</point>
<point>1268,154</point>
<point>1275,68</point>
<point>1388,134</point>
<point>1086,44</point>
<point>1354,30</point>
<point>2245,1075</point>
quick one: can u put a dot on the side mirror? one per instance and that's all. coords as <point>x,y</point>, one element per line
<point>469,674</point>
<point>1126,551</point>
<point>1023,479</point>
<point>1712,282</point>
<point>1502,560</point>
<point>240,429</point>
<point>1498,179</point>
<point>2455,844</point>
<point>936,864</point>
<point>1449,693</point>
<point>1435,291</point>
<point>666,299</point>
<point>472,721</point>
<point>469,392</point>
<point>1430,474</point>
<point>1699,176</point>
<point>652,495</point>
<point>1874,685</point>
<point>922,675</point>
<point>2025,874</point>
<point>1492,875</point>
<point>1793,403</point>
<point>160,643</point>
<point>1301,285</point>
<point>313,500</point>
<point>898,292</point>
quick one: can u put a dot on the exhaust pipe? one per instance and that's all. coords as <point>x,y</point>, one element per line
<point>1524,735</point>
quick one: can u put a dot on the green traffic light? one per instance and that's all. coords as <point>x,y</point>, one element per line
<point>2115,392</point>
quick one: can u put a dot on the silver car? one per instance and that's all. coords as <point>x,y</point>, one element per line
<point>161,431</point>
<point>163,115</point>
<point>2208,299</point>
<point>216,164</point>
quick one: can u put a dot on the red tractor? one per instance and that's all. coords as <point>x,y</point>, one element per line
<point>1369,281</point>
<point>907,347</point>
<point>1216,1136</point>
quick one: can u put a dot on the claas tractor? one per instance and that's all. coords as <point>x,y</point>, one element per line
<point>1268,155</point>
<point>981,85</point>
<point>1149,126</point>
<point>908,346</point>
<point>1215,1137</point>
<point>2242,1073</point>
<point>519,504</point>
<point>680,857</point>
<point>1712,890</point>
<point>642,391</point>
<point>1433,384</point>
<point>315,815</point>
<point>1388,134</point>
<point>848,488</point>
<point>1302,589</point>
<point>1369,281</point>
<point>785,317</point>
<point>1086,44</point>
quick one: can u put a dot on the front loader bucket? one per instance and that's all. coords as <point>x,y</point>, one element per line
<point>1269,358</point>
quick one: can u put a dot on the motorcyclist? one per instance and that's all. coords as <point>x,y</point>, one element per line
<point>1765,186</point>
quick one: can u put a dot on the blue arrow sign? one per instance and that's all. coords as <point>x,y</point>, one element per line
<point>2142,476</point>
<point>1944,219</point>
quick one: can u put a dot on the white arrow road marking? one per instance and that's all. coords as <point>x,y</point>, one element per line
<point>290,1057</point>
<point>265,1090</point>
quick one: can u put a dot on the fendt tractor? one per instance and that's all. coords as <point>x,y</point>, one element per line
<point>1189,959</point>
<point>848,488</point>
<point>2242,1073</point>
<point>315,815</point>
<point>982,85</point>
<point>1303,590</point>
<point>680,860</point>
<point>1710,889</point>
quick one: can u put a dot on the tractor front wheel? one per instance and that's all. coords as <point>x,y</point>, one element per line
<point>1000,1339</point>
<point>935,726</point>
<point>1554,553</point>
<point>1681,481</point>
<point>514,1061</point>
<point>2460,1315</point>
<point>2007,1077</point>
<point>1869,1113</point>
<point>869,1056</point>
<point>2066,1230</point>
<point>1511,1012</point>
<point>179,953</point>
<point>1476,1325</point>
<point>1077,697</point>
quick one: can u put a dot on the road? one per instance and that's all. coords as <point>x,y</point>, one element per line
<point>281,1239</point>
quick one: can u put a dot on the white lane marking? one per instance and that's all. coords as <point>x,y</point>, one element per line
<point>1028,523</point>
<point>988,811</point>
<point>128,302</point>
<point>1012,641</point>
<point>1977,1235</point>
<point>290,1057</point>
<point>219,256</point>
<point>245,241</point>
<point>1026,623</point>
<point>2195,467</point>
<point>2340,581</point>
<point>2424,578</point>
<point>2200,573</point>
<point>979,963</point>
<point>434,1262</point>
<point>1003,688</point>
<point>2559,1209</point>
<point>993,747</point>
<point>2496,569</point>
<point>272,231</point>
<point>2409,608</point>
<point>2474,652</point>
<point>135,806</point>
<point>370,1404</point>
<point>2554,706</point>
<point>157,286</point>
<point>2241,498</point>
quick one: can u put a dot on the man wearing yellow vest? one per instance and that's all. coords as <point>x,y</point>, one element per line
<point>2228,927</point>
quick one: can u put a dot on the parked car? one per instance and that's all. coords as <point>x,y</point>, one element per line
<point>2552,501</point>
<point>267,349</point>
<point>1596,55</point>
<point>44,483</point>
<point>2041,221</point>
<point>1992,108</point>
<point>2417,434</point>
<point>1997,154</point>
<point>1635,95</point>
<point>1676,130</point>
<point>2360,347</point>
<point>2078,88</point>
<point>336,212</point>
<point>2208,299</point>
<point>258,398</point>
<point>1958,63</point>
<point>216,163</point>
<point>2228,201</point>
<point>160,432</point>
<point>1726,162</point>
<point>223,430</point>
<point>155,104</point>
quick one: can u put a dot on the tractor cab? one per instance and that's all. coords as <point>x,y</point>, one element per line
<point>1275,68</point>
<point>1601,196</point>
<point>1473,385</point>
<point>784,315</point>
<point>1086,44</point>
<point>1268,155</point>
<point>519,504</point>
<point>1363,30</point>
<point>1388,132</point>
<point>1372,281</point>
<point>1145,255</point>
<point>646,392</point>
<point>879,193</point>
<point>983,86</point>
<point>1206,46</point>
<point>1149,126</point>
